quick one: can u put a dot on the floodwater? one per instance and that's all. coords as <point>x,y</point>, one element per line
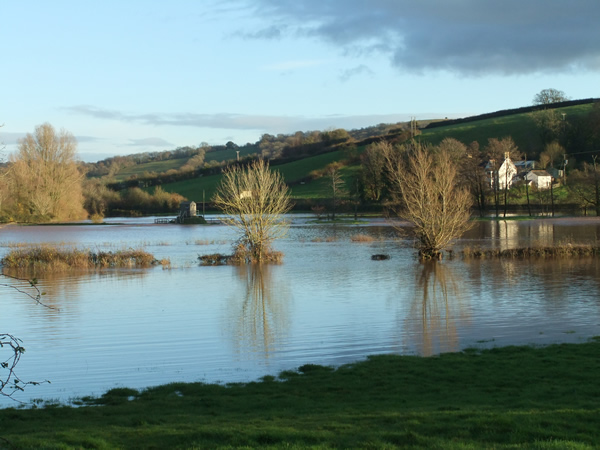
<point>328,303</point>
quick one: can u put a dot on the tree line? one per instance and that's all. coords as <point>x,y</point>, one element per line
<point>44,182</point>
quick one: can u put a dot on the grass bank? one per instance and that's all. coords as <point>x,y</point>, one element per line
<point>511,397</point>
<point>52,258</point>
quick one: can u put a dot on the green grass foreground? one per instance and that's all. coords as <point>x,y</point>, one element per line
<point>511,397</point>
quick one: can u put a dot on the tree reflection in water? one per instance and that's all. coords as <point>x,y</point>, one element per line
<point>437,307</point>
<point>263,317</point>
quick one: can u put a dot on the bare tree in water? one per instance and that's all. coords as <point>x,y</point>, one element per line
<point>426,183</point>
<point>254,199</point>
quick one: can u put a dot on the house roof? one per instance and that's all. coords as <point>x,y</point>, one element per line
<point>524,164</point>
<point>540,172</point>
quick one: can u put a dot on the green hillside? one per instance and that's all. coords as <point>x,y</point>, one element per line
<point>228,154</point>
<point>212,157</point>
<point>519,126</point>
<point>192,189</point>
<point>154,166</point>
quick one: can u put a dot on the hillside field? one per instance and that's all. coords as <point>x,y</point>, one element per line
<point>520,127</point>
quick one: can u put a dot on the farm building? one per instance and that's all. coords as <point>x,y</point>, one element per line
<point>506,173</point>
<point>186,210</point>
<point>541,179</point>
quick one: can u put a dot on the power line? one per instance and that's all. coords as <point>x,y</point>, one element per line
<point>583,153</point>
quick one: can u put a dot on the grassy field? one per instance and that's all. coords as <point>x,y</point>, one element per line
<point>321,187</point>
<point>154,166</point>
<point>163,166</point>
<point>192,189</point>
<point>501,398</point>
<point>228,154</point>
<point>519,126</point>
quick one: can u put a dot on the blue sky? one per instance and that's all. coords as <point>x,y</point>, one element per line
<point>132,76</point>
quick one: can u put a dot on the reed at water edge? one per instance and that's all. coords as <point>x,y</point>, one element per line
<point>55,258</point>
<point>555,251</point>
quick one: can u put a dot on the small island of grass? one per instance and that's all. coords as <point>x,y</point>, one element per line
<point>53,258</point>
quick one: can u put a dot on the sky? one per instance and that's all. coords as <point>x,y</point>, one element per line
<point>132,76</point>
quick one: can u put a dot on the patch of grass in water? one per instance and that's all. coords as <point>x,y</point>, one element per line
<point>556,251</point>
<point>57,258</point>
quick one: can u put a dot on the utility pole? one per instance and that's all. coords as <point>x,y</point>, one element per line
<point>596,186</point>
<point>413,127</point>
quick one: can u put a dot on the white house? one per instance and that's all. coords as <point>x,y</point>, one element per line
<point>541,179</point>
<point>506,173</point>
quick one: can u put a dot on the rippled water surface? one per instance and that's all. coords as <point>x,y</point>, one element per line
<point>328,303</point>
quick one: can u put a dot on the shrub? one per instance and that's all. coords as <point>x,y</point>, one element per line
<point>362,238</point>
<point>49,258</point>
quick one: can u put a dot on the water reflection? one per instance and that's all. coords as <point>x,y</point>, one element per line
<point>63,290</point>
<point>507,234</point>
<point>436,308</point>
<point>259,311</point>
<point>551,280</point>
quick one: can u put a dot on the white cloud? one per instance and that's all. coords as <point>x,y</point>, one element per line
<point>150,142</point>
<point>244,122</point>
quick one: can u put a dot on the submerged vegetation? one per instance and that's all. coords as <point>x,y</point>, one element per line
<point>52,258</point>
<point>511,397</point>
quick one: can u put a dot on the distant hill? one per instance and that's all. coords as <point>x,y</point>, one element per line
<point>300,164</point>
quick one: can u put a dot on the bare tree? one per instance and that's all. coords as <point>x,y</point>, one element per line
<point>372,174</point>
<point>336,183</point>
<point>473,173</point>
<point>549,96</point>
<point>430,197</point>
<point>548,123</point>
<point>254,199</point>
<point>45,178</point>
<point>584,185</point>
<point>553,152</point>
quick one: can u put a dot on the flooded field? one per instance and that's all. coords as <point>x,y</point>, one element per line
<point>328,303</point>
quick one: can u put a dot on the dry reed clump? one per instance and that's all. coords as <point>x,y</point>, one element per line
<point>214,259</point>
<point>123,258</point>
<point>97,218</point>
<point>203,242</point>
<point>362,238</point>
<point>557,251</point>
<point>327,239</point>
<point>50,258</point>
<point>241,255</point>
